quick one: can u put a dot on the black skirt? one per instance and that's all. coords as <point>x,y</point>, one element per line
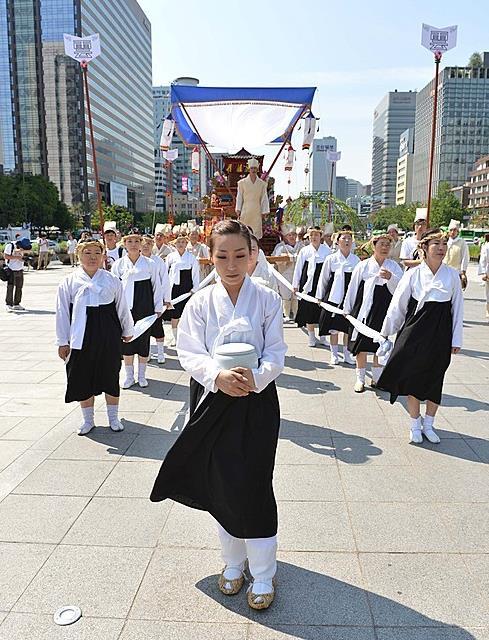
<point>94,369</point>
<point>157,330</point>
<point>421,354</point>
<point>332,321</point>
<point>223,461</point>
<point>143,306</point>
<point>186,284</point>
<point>375,319</point>
<point>308,312</point>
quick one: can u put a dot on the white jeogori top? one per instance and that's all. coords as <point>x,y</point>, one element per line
<point>338,264</point>
<point>210,320</point>
<point>143,269</point>
<point>177,263</point>
<point>81,291</point>
<point>425,286</point>
<point>312,257</point>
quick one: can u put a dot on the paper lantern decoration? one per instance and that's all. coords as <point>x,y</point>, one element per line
<point>195,160</point>
<point>310,126</point>
<point>167,132</point>
<point>289,160</point>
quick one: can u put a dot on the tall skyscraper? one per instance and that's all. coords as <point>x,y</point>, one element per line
<point>394,114</point>
<point>404,178</point>
<point>320,167</point>
<point>462,130</point>
<point>341,188</point>
<point>42,125</point>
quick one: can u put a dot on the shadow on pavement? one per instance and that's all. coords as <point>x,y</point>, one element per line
<point>308,602</point>
<point>468,403</point>
<point>305,385</point>
<point>294,362</point>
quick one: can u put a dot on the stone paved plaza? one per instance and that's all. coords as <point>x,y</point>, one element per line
<point>379,539</point>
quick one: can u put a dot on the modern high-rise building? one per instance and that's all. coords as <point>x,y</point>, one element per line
<point>404,178</point>
<point>320,166</point>
<point>462,133</point>
<point>394,114</point>
<point>42,111</point>
<point>341,188</point>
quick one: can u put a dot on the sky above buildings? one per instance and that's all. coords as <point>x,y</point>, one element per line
<point>353,51</point>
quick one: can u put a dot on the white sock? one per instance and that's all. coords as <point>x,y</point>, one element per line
<point>376,373</point>
<point>311,334</point>
<point>428,422</point>
<point>129,371</point>
<point>175,332</point>
<point>142,370</point>
<point>161,348</point>
<point>88,415</point>
<point>286,306</point>
<point>334,349</point>
<point>112,411</point>
<point>361,375</point>
<point>416,423</point>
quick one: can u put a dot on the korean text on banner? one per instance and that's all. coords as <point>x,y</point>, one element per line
<point>438,40</point>
<point>82,49</point>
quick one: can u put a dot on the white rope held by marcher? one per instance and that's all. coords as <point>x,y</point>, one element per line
<point>203,284</point>
<point>359,326</point>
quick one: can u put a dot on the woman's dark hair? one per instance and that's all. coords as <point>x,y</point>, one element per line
<point>430,234</point>
<point>486,237</point>
<point>229,228</point>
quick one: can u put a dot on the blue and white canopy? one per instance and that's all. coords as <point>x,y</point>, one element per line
<point>232,118</point>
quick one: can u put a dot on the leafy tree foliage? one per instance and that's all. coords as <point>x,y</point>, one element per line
<point>475,60</point>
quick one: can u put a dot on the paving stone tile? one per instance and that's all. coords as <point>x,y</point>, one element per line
<point>131,522</point>
<point>422,590</point>
<point>10,450</point>
<point>384,484</point>
<point>24,626</point>
<point>448,452</point>
<point>439,633</point>
<point>307,483</point>
<point>189,528</point>
<point>480,446</point>
<point>16,472</point>
<point>20,563</point>
<point>8,422</point>
<point>66,477</point>
<point>102,581</point>
<point>374,451</point>
<point>33,407</point>
<point>150,447</point>
<point>185,580</point>
<point>130,480</point>
<point>399,527</point>
<point>305,451</point>
<point>314,526</point>
<point>153,630</point>
<point>100,444</point>
<point>265,631</point>
<point>31,428</point>
<point>467,525</point>
<point>455,484</point>
<point>38,518</point>
<point>133,421</point>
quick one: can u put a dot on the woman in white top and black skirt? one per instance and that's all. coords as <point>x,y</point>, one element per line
<point>369,294</point>
<point>92,317</point>
<point>305,280</point>
<point>142,287</point>
<point>332,287</point>
<point>426,312</point>
<point>223,461</point>
<point>184,273</point>
<point>157,332</point>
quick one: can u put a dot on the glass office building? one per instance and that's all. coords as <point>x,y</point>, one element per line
<point>42,111</point>
<point>393,115</point>
<point>462,133</point>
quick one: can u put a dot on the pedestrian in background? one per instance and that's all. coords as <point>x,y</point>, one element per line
<point>14,259</point>
<point>43,259</point>
<point>71,249</point>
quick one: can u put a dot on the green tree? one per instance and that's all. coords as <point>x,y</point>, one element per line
<point>475,60</point>
<point>120,215</point>
<point>33,199</point>
<point>298,211</point>
<point>402,215</point>
<point>445,206</point>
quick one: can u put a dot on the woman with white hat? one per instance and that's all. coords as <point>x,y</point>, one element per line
<point>426,312</point>
<point>409,254</point>
<point>458,255</point>
<point>231,342</point>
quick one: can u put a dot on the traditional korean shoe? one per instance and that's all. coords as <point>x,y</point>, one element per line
<point>323,340</point>
<point>359,386</point>
<point>261,600</point>
<point>85,428</point>
<point>431,435</point>
<point>311,341</point>
<point>161,358</point>
<point>142,382</point>
<point>334,359</point>
<point>116,425</point>
<point>348,358</point>
<point>231,580</point>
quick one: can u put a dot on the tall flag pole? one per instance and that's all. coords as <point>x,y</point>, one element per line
<point>84,50</point>
<point>438,41</point>
<point>333,157</point>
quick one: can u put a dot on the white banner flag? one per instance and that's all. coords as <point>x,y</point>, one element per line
<point>333,156</point>
<point>440,40</point>
<point>170,155</point>
<point>82,49</point>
